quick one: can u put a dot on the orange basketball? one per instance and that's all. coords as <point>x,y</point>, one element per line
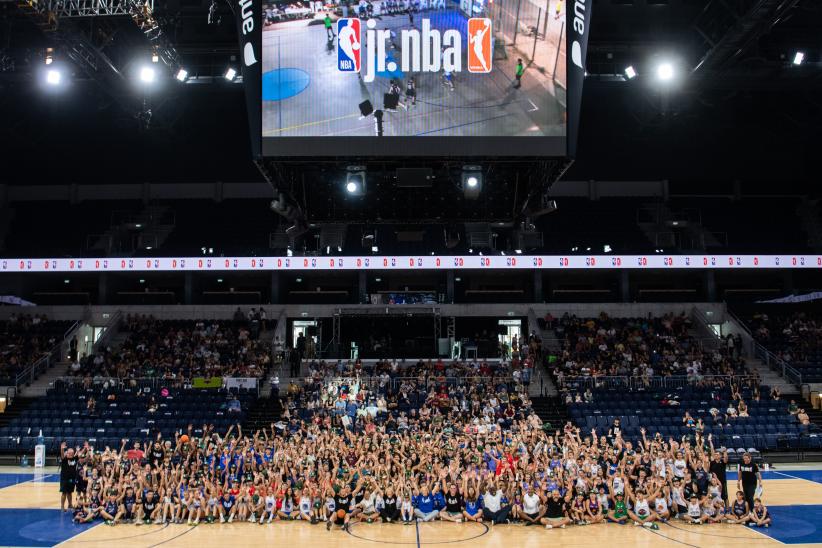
<point>184,438</point>
<point>340,514</point>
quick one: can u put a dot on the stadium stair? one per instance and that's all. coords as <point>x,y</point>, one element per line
<point>262,414</point>
<point>45,381</point>
<point>551,410</point>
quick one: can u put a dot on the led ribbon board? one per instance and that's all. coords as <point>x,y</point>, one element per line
<point>405,262</point>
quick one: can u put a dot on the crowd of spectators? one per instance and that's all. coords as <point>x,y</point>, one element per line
<point>24,339</point>
<point>794,337</point>
<point>637,347</point>
<point>179,351</point>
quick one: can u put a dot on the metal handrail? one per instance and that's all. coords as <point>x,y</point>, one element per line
<point>778,364</point>
<point>655,382</point>
<point>30,373</point>
<point>770,359</point>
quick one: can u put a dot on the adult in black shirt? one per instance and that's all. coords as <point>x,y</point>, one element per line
<point>748,478</point>
<point>718,467</point>
<point>68,475</point>
<point>556,510</point>
<point>390,511</point>
<point>454,505</point>
<point>342,503</point>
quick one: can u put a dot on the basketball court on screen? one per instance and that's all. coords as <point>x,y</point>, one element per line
<point>304,93</point>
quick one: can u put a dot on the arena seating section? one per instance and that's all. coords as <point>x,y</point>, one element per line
<point>769,427</point>
<point>63,415</point>
<point>793,336</point>
<point>594,356</point>
<point>153,368</point>
<point>24,341</point>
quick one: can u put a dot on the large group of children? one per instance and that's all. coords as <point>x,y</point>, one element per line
<point>477,453</point>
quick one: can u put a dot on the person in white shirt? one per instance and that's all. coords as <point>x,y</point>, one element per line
<point>531,509</point>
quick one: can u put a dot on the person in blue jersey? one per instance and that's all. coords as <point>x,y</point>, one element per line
<point>424,508</point>
<point>738,512</point>
<point>226,507</point>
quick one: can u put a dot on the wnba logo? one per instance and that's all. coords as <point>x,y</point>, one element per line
<point>479,41</point>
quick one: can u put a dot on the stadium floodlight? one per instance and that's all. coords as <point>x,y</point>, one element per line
<point>230,74</point>
<point>799,58</point>
<point>54,77</point>
<point>147,74</point>
<point>182,75</point>
<point>630,72</point>
<point>665,72</point>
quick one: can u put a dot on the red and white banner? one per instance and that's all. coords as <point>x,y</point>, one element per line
<point>429,262</point>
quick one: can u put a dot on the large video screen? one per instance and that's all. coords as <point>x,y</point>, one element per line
<point>414,77</point>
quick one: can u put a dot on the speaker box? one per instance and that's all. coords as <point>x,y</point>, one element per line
<point>415,177</point>
<point>366,108</point>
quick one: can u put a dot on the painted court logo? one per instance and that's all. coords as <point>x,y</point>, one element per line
<point>349,50</point>
<point>479,41</point>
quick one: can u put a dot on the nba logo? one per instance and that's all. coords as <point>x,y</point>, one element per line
<point>348,42</point>
<point>479,45</point>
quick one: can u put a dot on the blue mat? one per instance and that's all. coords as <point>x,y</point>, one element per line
<point>37,527</point>
<point>279,84</point>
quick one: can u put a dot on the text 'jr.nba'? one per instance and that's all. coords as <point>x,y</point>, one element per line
<point>424,50</point>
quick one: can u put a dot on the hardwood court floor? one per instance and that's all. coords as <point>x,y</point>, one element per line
<point>30,516</point>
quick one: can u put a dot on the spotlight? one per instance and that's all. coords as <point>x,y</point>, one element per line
<point>799,58</point>
<point>230,74</point>
<point>355,180</point>
<point>155,58</point>
<point>665,72</point>
<point>49,56</point>
<point>182,75</point>
<point>53,77</point>
<point>630,73</point>
<point>375,249</point>
<point>147,74</point>
<point>471,181</point>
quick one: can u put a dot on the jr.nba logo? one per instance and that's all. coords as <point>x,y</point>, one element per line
<point>348,41</point>
<point>479,45</point>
